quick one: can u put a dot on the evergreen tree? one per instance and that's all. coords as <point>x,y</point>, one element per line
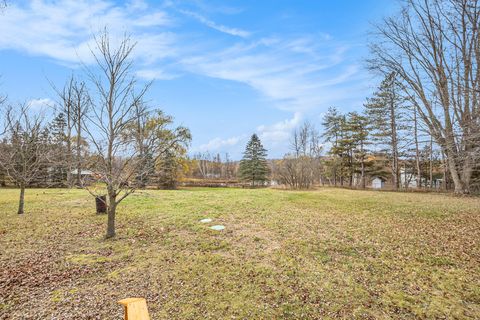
<point>341,151</point>
<point>357,127</point>
<point>253,166</point>
<point>332,123</point>
<point>58,169</point>
<point>168,173</point>
<point>386,117</point>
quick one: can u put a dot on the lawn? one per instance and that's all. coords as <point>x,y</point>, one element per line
<point>324,254</point>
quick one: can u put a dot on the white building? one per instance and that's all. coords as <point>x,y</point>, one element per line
<point>378,183</point>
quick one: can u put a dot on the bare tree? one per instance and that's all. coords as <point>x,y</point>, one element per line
<point>112,112</point>
<point>66,108</point>
<point>24,150</point>
<point>74,101</point>
<point>80,105</point>
<point>434,48</point>
<point>301,168</point>
<point>204,161</point>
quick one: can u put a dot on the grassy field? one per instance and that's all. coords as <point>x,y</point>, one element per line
<point>322,254</point>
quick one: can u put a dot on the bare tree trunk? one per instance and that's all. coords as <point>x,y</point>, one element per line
<point>22,199</point>
<point>78,147</point>
<point>393,128</point>
<point>79,159</point>
<point>69,161</point>
<point>68,139</point>
<point>457,181</point>
<point>111,211</point>
<point>335,174</point>
<point>417,150</point>
<point>111,220</point>
<point>445,171</point>
<point>363,168</point>
<point>431,162</point>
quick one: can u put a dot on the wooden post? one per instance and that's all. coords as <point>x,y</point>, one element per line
<point>135,309</point>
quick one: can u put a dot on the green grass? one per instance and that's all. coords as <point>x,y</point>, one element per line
<point>322,254</point>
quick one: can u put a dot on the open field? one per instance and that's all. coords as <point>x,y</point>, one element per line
<point>323,254</point>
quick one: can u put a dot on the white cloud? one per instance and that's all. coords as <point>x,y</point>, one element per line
<point>219,143</point>
<point>300,74</point>
<point>280,132</point>
<point>155,74</point>
<point>211,24</point>
<point>63,29</point>
<point>39,104</point>
<point>295,74</point>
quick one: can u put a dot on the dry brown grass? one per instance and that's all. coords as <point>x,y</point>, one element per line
<point>322,254</point>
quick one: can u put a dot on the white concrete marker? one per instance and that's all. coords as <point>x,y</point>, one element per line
<point>207,220</point>
<point>217,227</point>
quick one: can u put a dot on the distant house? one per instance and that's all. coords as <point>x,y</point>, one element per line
<point>86,176</point>
<point>83,173</point>
<point>409,179</point>
<point>378,183</point>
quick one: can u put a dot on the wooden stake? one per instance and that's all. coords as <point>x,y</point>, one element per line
<point>135,309</point>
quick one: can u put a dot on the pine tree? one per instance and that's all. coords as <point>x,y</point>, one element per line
<point>169,170</point>
<point>357,127</point>
<point>332,123</point>
<point>253,166</point>
<point>58,169</point>
<point>385,114</point>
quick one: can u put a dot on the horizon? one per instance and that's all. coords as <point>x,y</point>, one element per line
<point>224,71</point>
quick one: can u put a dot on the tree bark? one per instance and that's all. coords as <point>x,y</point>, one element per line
<point>78,150</point>
<point>363,176</point>
<point>393,127</point>
<point>417,149</point>
<point>431,163</point>
<point>22,199</point>
<point>112,207</point>
<point>69,153</point>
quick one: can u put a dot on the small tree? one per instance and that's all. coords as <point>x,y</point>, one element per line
<point>74,101</point>
<point>126,137</point>
<point>253,166</point>
<point>332,122</point>
<point>113,102</point>
<point>25,149</point>
<point>302,167</point>
<point>168,170</point>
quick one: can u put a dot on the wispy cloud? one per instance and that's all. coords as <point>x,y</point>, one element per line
<point>211,24</point>
<point>219,143</point>
<point>155,74</point>
<point>301,74</point>
<point>63,29</point>
<point>294,74</point>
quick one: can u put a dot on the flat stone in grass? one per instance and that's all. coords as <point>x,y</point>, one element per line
<point>206,220</point>
<point>217,227</point>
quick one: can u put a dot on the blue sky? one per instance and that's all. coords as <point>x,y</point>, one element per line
<point>225,69</point>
